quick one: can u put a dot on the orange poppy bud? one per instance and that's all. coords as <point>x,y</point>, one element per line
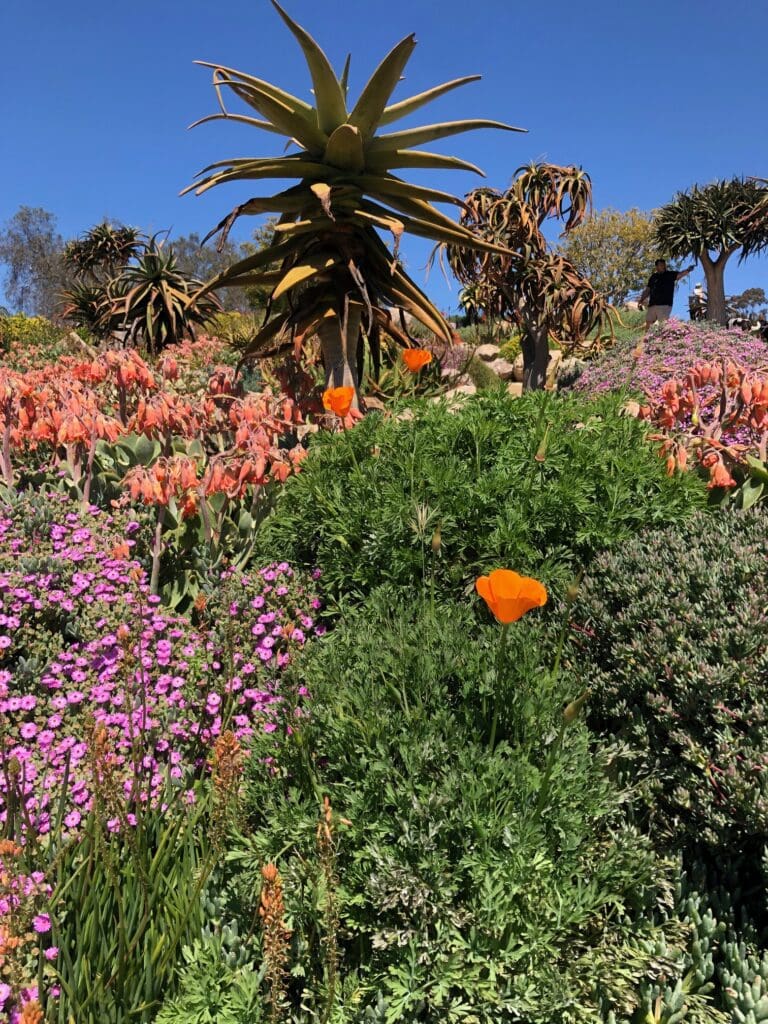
<point>508,595</point>
<point>338,400</point>
<point>416,358</point>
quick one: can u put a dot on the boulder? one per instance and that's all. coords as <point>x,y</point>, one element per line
<point>515,389</point>
<point>488,352</point>
<point>518,367</point>
<point>555,358</point>
<point>568,371</point>
<point>502,368</point>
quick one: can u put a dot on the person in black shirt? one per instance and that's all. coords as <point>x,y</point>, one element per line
<point>659,293</point>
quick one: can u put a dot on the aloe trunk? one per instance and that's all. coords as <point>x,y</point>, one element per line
<point>535,349</point>
<point>339,346</point>
<point>714,272</point>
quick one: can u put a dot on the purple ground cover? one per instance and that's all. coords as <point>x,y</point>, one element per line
<point>669,353</point>
<point>83,647</point>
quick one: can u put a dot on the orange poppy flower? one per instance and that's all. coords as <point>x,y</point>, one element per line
<point>510,596</point>
<point>416,358</point>
<point>338,400</point>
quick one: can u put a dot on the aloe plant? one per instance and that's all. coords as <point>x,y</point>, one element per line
<point>154,303</point>
<point>340,279</point>
<point>540,290</point>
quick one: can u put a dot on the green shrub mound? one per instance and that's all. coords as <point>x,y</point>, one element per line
<point>537,484</point>
<point>673,628</point>
<point>469,881</point>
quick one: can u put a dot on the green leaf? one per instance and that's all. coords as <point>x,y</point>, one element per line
<point>329,95</point>
<point>373,99</point>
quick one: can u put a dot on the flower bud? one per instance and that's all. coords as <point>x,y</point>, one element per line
<point>573,709</point>
<point>437,541</point>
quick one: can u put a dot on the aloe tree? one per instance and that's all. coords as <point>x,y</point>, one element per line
<point>712,223</point>
<point>340,279</point>
<point>153,303</point>
<point>532,285</point>
<point>102,252</point>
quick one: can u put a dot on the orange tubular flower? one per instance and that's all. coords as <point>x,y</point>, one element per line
<point>416,358</point>
<point>338,400</point>
<point>508,595</point>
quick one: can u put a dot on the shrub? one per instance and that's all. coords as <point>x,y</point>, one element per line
<point>461,880</point>
<point>540,483</point>
<point>674,630</point>
<point>667,353</point>
<point>28,342</point>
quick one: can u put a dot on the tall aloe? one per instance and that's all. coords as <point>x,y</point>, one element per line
<point>340,279</point>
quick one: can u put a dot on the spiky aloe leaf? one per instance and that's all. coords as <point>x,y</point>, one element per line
<point>329,95</point>
<point>404,107</point>
<point>369,108</point>
<point>304,272</point>
<point>388,159</point>
<point>345,149</point>
<point>430,133</point>
<point>297,105</point>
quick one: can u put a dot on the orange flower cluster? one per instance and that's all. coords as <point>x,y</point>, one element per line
<point>718,411</point>
<point>508,595</point>
<point>61,413</point>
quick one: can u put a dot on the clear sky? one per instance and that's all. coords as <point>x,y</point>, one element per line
<point>95,97</point>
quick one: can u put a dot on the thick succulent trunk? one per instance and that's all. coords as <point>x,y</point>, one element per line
<point>535,349</point>
<point>714,271</point>
<point>340,351</point>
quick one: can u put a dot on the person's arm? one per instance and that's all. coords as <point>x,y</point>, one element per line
<point>684,273</point>
<point>642,301</point>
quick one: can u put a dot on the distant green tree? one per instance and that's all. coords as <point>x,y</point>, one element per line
<point>31,249</point>
<point>614,250</point>
<point>750,300</point>
<point>203,261</point>
<point>712,223</point>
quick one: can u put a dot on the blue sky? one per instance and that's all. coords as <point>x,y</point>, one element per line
<point>95,97</point>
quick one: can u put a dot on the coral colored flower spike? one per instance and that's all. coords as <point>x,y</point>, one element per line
<point>338,400</point>
<point>416,358</point>
<point>508,595</point>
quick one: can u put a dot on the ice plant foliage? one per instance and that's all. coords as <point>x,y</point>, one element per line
<point>150,679</point>
<point>508,595</point>
<point>705,389</point>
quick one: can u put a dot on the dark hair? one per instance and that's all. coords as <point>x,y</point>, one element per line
<point>660,260</point>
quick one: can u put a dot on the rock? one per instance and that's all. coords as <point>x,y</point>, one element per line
<point>568,371</point>
<point>488,352</point>
<point>372,403</point>
<point>631,409</point>
<point>462,391</point>
<point>515,389</point>
<point>555,359</point>
<point>518,367</point>
<point>502,368</point>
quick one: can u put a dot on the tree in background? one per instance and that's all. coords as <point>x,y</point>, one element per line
<point>31,249</point>
<point>102,252</point>
<point>752,300</point>
<point>524,280</point>
<point>202,262</point>
<point>712,223</point>
<point>94,260</point>
<point>614,250</point>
